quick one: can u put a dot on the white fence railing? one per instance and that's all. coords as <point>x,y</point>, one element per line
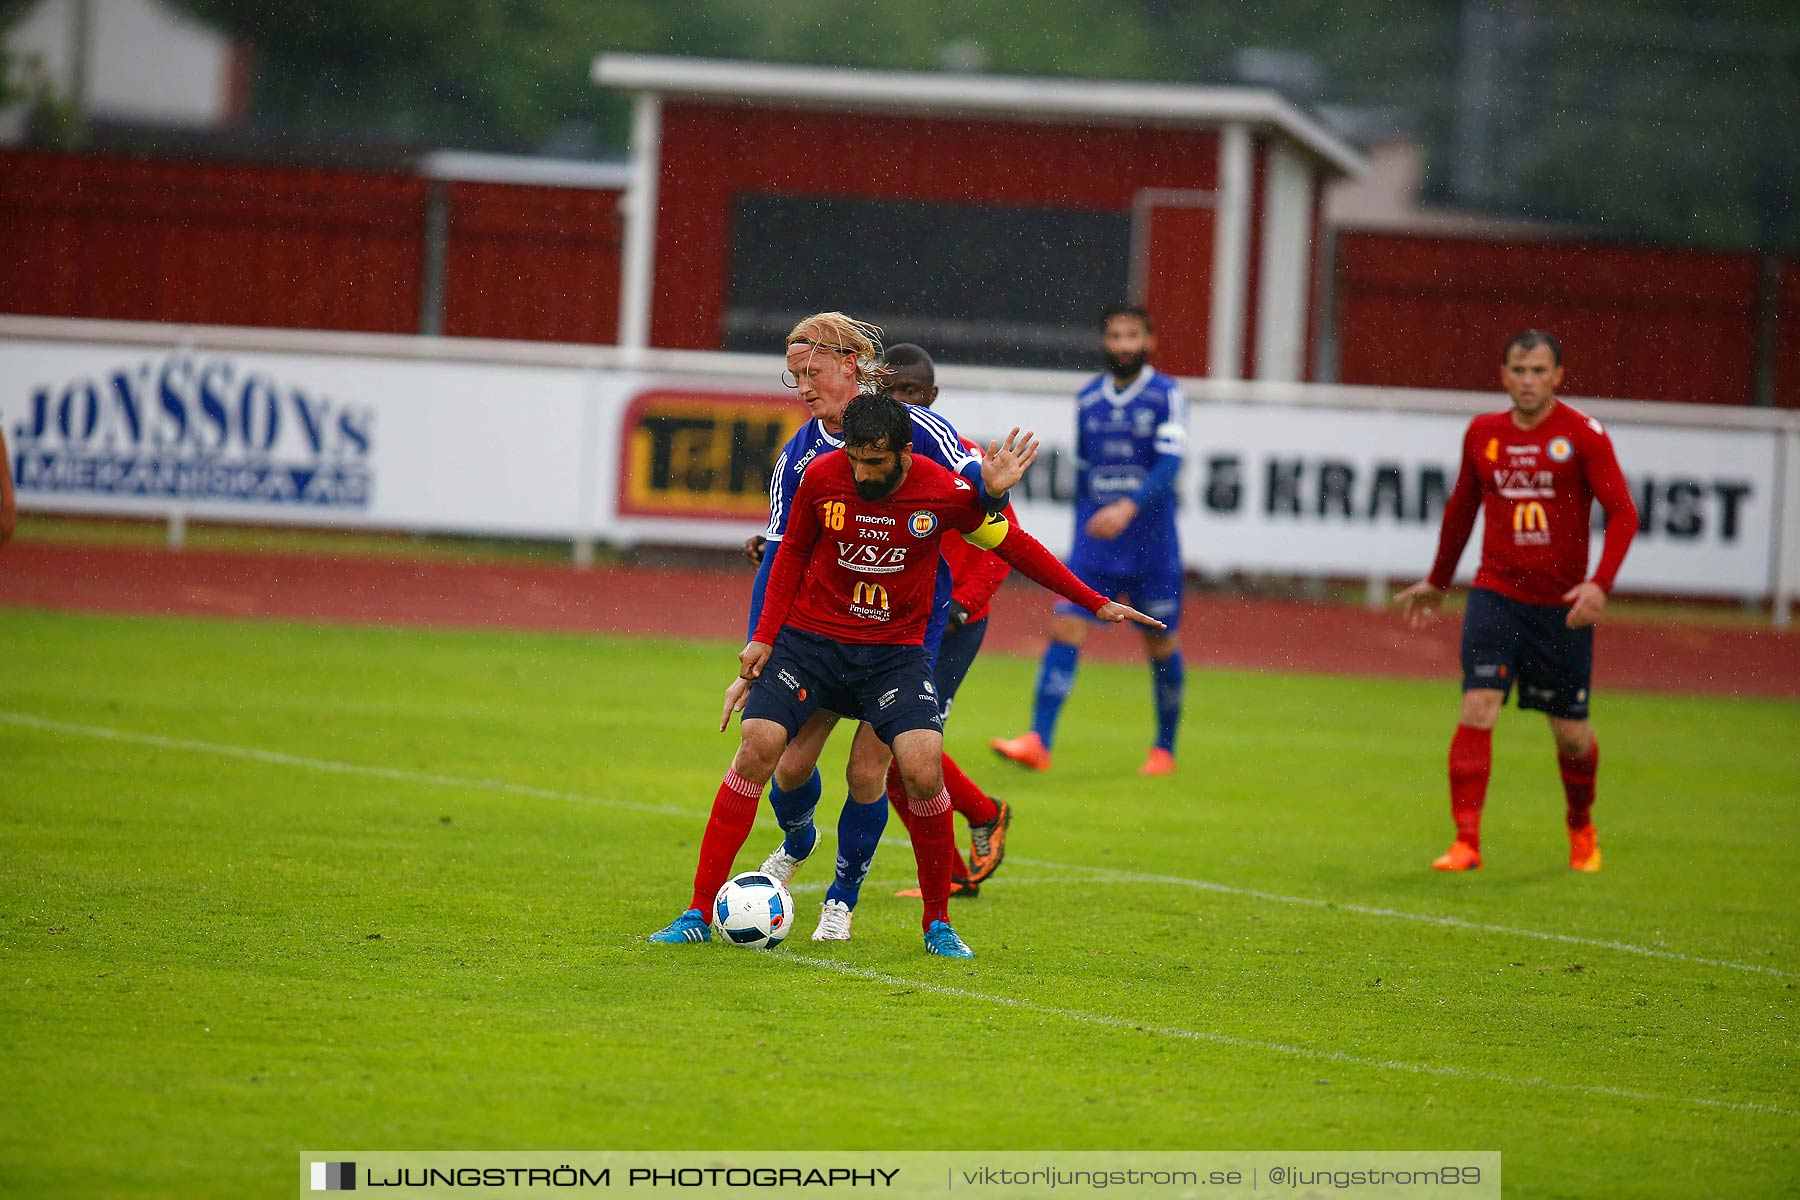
<point>604,444</point>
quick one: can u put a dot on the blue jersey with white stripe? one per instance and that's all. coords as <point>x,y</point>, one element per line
<point>933,437</point>
<point>1129,442</point>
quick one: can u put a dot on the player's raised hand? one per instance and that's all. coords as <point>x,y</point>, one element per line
<point>1115,612</point>
<point>751,659</point>
<point>1419,602</point>
<point>735,695</point>
<point>1587,600</point>
<point>1005,463</point>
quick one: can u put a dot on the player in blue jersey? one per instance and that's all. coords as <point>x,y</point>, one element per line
<point>831,359</point>
<point>1131,433</point>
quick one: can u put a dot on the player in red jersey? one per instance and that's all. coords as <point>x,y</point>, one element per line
<point>975,576</point>
<point>1537,470</point>
<point>843,627</point>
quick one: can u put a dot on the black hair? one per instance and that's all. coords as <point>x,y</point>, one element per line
<point>1126,310</point>
<point>871,420</point>
<point>909,354</point>
<point>1530,340</point>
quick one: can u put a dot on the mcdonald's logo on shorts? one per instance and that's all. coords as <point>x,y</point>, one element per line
<point>1531,523</point>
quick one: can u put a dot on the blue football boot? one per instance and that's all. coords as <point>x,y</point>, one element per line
<point>941,939</point>
<point>690,926</point>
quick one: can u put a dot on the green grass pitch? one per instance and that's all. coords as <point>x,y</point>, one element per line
<point>266,887</point>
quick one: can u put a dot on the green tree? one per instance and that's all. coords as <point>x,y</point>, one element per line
<point>1672,119</point>
<point>496,73</point>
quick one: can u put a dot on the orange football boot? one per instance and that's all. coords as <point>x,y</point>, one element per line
<point>1028,750</point>
<point>1584,849</point>
<point>1160,762</point>
<point>1459,857</point>
<point>987,843</point>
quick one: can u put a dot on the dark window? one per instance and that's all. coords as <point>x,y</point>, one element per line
<point>972,283</point>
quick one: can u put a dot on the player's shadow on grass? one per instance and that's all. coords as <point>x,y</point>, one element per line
<point>1426,883</point>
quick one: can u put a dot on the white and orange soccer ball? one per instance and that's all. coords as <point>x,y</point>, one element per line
<point>753,910</point>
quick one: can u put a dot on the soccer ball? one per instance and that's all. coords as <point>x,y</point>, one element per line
<point>753,910</point>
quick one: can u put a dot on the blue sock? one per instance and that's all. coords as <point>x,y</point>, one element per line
<point>859,832</point>
<point>1167,676</point>
<point>1056,678</point>
<point>794,813</point>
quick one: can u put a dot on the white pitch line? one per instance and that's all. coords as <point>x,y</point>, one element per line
<point>279,759</point>
<point>1093,873</point>
<point>1110,875</point>
<point>1240,1043</point>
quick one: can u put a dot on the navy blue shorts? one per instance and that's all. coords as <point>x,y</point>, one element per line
<point>1506,640</point>
<point>954,658</point>
<point>890,687</point>
<point>1158,595</point>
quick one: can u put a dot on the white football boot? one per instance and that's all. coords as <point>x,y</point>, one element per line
<point>834,922</point>
<point>780,865</point>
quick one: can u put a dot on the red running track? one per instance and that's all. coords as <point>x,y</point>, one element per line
<point>711,603</point>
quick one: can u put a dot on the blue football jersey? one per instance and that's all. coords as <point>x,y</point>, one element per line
<point>1129,443</point>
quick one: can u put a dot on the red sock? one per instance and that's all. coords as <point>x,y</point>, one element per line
<point>733,813</point>
<point>1471,760</point>
<point>934,846</point>
<point>975,805</point>
<point>896,791</point>
<point>1578,783</point>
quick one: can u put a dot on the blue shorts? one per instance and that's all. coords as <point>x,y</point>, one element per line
<point>1158,595</point>
<point>954,658</point>
<point>1504,640</point>
<point>890,687</point>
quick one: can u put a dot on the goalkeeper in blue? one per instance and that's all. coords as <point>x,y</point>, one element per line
<point>1131,434</point>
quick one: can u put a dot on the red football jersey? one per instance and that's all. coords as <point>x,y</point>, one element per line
<point>860,570</point>
<point>1538,487</point>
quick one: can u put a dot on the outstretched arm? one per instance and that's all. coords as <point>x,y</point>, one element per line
<point>1028,555</point>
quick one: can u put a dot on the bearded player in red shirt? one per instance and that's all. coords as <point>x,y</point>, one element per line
<point>1537,470</point>
<point>843,628</point>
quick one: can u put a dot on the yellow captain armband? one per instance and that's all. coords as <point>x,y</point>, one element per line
<point>991,532</point>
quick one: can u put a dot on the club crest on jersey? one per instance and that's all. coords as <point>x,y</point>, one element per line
<point>922,524</point>
<point>1560,449</point>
